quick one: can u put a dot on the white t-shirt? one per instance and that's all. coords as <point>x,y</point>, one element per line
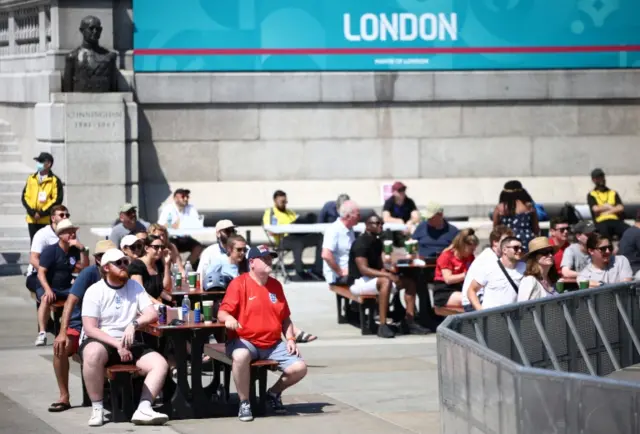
<point>618,270</point>
<point>531,289</point>
<point>43,238</point>
<point>188,218</point>
<point>115,308</point>
<point>478,268</point>
<point>498,291</point>
<point>338,239</point>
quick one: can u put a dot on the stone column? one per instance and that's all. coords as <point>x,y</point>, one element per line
<point>93,138</point>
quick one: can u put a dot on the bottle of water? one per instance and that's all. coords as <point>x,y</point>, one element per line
<point>188,268</point>
<point>186,309</point>
<point>169,220</point>
<point>174,272</point>
<point>274,219</point>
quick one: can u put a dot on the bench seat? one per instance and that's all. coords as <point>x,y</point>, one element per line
<point>367,304</point>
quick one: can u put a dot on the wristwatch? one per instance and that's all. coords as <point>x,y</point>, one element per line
<point>135,324</point>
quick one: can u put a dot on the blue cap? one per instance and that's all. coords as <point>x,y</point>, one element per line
<point>260,252</point>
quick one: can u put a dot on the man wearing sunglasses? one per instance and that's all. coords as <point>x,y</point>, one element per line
<point>110,320</point>
<point>43,238</point>
<point>213,253</point>
<point>499,281</point>
<point>605,267</point>
<point>559,236</point>
<point>67,341</point>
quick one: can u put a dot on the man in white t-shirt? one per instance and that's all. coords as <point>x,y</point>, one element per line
<point>210,255</point>
<point>110,319</point>
<point>43,238</point>
<point>483,262</point>
<point>180,214</point>
<point>499,290</point>
<point>337,242</point>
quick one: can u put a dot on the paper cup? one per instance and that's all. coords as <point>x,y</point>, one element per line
<point>207,310</point>
<point>192,279</point>
<point>388,247</point>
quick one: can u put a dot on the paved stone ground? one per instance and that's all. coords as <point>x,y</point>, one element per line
<point>355,383</point>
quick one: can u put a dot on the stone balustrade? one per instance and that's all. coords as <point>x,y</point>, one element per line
<point>27,27</point>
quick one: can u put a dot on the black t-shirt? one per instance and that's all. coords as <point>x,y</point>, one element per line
<point>366,246</point>
<point>59,265</point>
<point>400,211</point>
<point>152,284</point>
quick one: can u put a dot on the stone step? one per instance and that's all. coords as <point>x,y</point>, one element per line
<point>13,220</point>
<point>10,198</point>
<point>14,171</point>
<point>14,231</point>
<point>13,269</point>
<point>9,157</point>
<point>14,187</point>
<point>9,147</point>
<point>6,136</point>
<point>19,256</point>
<point>14,244</point>
<point>12,208</point>
<point>5,127</point>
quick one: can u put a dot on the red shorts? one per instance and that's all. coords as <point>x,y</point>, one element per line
<point>74,341</point>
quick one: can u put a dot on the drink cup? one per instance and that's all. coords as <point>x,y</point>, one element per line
<point>178,281</point>
<point>207,310</point>
<point>583,284</point>
<point>192,279</point>
<point>560,286</point>
<point>414,246</point>
<point>407,247</point>
<point>388,247</point>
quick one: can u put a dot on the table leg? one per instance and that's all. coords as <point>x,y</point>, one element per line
<point>180,406</point>
<point>201,397</point>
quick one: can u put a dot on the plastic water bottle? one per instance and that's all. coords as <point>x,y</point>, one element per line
<point>274,219</point>
<point>169,220</point>
<point>174,273</point>
<point>188,268</point>
<point>186,308</point>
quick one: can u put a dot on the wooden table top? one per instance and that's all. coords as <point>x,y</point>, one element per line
<point>157,329</point>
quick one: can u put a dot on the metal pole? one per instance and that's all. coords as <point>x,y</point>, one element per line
<point>627,323</point>
<point>578,339</point>
<point>516,341</point>
<point>602,334</point>
<point>545,341</point>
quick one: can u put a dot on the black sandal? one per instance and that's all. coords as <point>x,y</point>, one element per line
<point>304,337</point>
<point>58,407</point>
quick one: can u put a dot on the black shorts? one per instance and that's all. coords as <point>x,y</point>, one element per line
<point>442,292</point>
<point>185,244</point>
<point>32,282</point>
<point>138,350</point>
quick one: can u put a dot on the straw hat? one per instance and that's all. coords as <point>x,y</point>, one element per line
<point>539,243</point>
<point>65,225</point>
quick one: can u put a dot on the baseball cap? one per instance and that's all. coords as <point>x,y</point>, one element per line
<point>65,225</point>
<point>224,224</point>
<point>260,252</point>
<point>584,227</point>
<point>184,191</point>
<point>111,255</point>
<point>397,186</point>
<point>44,156</point>
<point>104,245</point>
<point>128,207</point>
<point>597,173</point>
<point>432,209</point>
<point>127,241</point>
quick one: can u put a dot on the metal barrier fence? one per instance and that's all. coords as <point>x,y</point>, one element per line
<point>538,367</point>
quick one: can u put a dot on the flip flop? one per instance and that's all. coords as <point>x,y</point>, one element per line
<point>304,337</point>
<point>58,407</point>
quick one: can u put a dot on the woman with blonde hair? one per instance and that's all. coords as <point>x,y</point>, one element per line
<point>451,268</point>
<point>540,276</point>
<point>163,233</point>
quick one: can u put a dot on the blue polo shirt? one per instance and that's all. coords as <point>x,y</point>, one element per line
<point>328,213</point>
<point>59,265</point>
<point>432,241</point>
<point>85,279</point>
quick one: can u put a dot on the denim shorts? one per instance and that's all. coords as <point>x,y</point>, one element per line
<point>278,352</point>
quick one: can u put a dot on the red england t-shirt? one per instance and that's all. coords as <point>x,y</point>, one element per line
<point>260,310</point>
<point>557,257</point>
<point>450,261</point>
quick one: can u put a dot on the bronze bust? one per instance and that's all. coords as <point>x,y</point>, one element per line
<point>90,67</point>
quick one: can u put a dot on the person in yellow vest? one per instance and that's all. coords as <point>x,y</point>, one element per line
<point>42,191</point>
<point>606,207</point>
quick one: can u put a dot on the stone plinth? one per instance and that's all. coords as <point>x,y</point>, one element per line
<point>93,138</point>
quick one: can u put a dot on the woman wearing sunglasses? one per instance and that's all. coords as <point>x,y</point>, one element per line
<point>541,275</point>
<point>149,270</point>
<point>605,267</point>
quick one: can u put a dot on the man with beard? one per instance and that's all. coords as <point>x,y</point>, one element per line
<point>110,321</point>
<point>607,209</point>
<point>211,255</point>
<point>256,314</point>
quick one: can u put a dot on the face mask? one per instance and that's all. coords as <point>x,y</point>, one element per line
<point>39,167</point>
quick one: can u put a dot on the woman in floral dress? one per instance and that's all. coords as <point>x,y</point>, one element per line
<point>517,211</point>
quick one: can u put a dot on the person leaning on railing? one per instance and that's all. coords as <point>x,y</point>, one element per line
<point>541,275</point>
<point>604,267</point>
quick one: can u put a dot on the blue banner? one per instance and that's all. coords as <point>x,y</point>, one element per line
<point>383,35</point>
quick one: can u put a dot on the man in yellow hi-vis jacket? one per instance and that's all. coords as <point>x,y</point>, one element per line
<point>41,192</point>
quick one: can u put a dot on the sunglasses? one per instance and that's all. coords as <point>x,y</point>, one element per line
<point>240,249</point>
<point>604,249</point>
<point>121,263</point>
<point>156,246</point>
<point>376,223</point>
<point>64,215</point>
<point>545,252</point>
<point>565,229</point>
<point>515,248</point>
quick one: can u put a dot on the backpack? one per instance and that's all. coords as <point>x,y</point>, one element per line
<point>541,212</point>
<point>570,214</point>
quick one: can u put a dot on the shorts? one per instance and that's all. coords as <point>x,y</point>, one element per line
<point>442,292</point>
<point>74,341</point>
<point>32,282</point>
<point>278,352</point>
<point>469,307</point>
<point>138,350</point>
<point>368,286</point>
<point>185,244</point>
<point>60,295</point>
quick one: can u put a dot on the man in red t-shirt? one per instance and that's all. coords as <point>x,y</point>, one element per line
<point>559,236</point>
<point>256,314</point>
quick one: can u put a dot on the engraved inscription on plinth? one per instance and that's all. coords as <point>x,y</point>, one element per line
<point>94,123</point>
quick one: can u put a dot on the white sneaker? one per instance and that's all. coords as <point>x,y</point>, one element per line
<point>97,417</point>
<point>148,417</point>
<point>41,340</point>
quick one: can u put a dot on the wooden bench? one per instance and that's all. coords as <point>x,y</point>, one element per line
<point>368,306</point>
<point>259,368</point>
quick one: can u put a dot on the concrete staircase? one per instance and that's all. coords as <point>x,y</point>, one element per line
<point>14,236</point>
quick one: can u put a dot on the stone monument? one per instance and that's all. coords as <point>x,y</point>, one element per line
<point>92,130</point>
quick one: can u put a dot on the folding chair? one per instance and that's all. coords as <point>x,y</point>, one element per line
<point>279,268</point>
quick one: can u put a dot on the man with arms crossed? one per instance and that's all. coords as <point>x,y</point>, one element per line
<point>337,242</point>
<point>256,314</point>
<point>110,320</point>
<point>67,341</point>
<point>498,288</point>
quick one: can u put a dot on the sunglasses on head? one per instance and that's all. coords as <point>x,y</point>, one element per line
<point>604,249</point>
<point>121,263</point>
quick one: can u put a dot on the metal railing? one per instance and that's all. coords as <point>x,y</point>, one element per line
<point>538,367</point>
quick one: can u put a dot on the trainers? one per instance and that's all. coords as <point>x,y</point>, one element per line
<point>275,400</point>
<point>148,417</point>
<point>384,331</point>
<point>244,413</point>
<point>41,340</point>
<point>97,417</point>
<point>412,327</point>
